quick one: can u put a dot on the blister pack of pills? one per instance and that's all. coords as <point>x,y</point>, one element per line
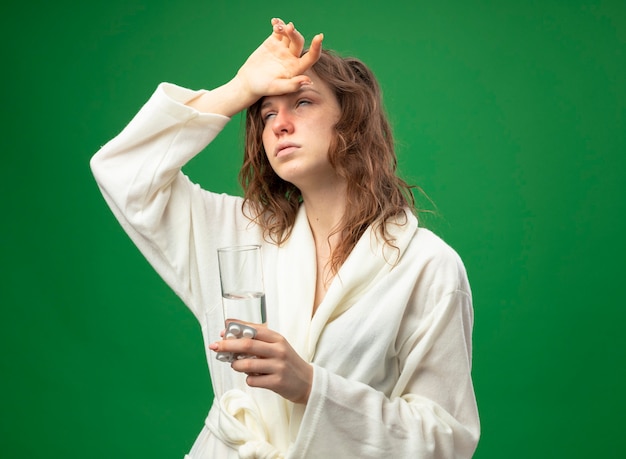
<point>235,330</point>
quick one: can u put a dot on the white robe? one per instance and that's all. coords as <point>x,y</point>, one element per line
<point>390,344</point>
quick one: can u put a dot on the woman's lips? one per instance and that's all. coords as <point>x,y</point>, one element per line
<point>284,148</point>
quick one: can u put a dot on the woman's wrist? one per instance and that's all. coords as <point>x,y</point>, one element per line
<point>228,99</point>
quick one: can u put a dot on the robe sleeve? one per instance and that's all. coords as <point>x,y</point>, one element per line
<point>432,412</point>
<point>139,175</point>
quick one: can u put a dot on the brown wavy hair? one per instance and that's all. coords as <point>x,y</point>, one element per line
<point>362,152</point>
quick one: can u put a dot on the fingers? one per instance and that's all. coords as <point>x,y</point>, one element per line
<point>286,374</point>
<point>286,45</point>
<point>295,40</point>
<point>259,346</point>
<point>312,56</point>
<point>271,364</point>
<point>279,29</point>
<point>277,24</point>
<point>288,34</point>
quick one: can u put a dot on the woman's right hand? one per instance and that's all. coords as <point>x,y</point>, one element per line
<point>276,67</point>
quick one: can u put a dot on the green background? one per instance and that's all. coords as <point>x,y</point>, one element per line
<point>509,114</point>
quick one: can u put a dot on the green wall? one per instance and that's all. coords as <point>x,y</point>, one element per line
<point>509,114</point>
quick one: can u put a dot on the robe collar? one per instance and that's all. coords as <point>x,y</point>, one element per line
<point>370,260</point>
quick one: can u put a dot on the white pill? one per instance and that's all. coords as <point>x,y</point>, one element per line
<point>223,356</point>
<point>248,333</point>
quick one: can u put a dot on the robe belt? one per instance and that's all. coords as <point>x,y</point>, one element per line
<point>236,420</point>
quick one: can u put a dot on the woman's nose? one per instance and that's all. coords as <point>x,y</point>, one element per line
<point>283,123</point>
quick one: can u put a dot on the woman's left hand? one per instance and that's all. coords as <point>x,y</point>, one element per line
<point>276,365</point>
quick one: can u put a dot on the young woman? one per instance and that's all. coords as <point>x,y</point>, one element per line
<point>366,352</point>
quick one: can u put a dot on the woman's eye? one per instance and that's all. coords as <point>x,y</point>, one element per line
<point>268,116</point>
<point>303,102</point>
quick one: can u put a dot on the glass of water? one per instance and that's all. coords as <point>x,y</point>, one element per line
<point>241,278</point>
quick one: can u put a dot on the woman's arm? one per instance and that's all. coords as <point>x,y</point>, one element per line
<point>139,171</point>
<point>276,67</point>
<point>401,386</point>
<point>176,124</point>
<point>431,413</point>
<point>139,175</point>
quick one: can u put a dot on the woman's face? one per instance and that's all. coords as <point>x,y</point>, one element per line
<point>298,130</point>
